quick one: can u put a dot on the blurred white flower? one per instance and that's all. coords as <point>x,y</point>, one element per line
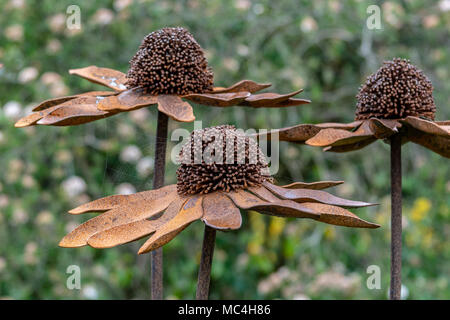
<point>334,280</point>
<point>16,4</point>
<point>49,78</point>
<point>393,13</point>
<point>231,64</point>
<point>125,188</point>
<point>308,24</point>
<point>258,8</point>
<point>28,74</point>
<point>2,137</point>
<point>242,4</point>
<point>2,264</point>
<point>242,50</point>
<point>145,166</point>
<point>53,46</point>
<point>430,21</point>
<point>14,32</point>
<point>444,5</point>
<point>28,181</point>
<point>103,16</point>
<point>119,5</point>
<point>130,154</point>
<point>57,22</point>
<point>12,110</point>
<point>44,218</point>
<point>74,186</point>
<point>140,115</point>
<point>4,200</point>
<point>19,216</point>
<point>89,292</point>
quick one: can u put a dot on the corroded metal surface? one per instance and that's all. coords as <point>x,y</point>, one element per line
<point>218,99</point>
<point>107,77</point>
<point>128,100</point>
<point>204,271</point>
<point>220,212</point>
<point>175,107</point>
<point>243,85</point>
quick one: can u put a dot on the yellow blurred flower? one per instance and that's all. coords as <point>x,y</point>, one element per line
<point>330,233</point>
<point>276,226</point>
<point>420,209</point>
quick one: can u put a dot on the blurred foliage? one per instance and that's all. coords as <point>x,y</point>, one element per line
<point>322,46</point>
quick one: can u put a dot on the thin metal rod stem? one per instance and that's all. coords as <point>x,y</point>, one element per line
<point>396,217</point>
<point>204,272</point>
<point>158,181</point>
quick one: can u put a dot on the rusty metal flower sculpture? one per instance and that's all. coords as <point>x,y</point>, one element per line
<point>222,171</point>
<point>168,68</point>
<point>396,105</point>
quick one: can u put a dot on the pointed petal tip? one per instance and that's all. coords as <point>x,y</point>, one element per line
<point>21,124</point>
<point>64,243</point>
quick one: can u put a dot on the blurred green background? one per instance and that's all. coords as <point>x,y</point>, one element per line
<point>321,46</point>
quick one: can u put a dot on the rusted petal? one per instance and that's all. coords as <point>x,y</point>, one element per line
<point>76,111</point>
<point>111,202</point>
<point>437,143</point>
<point>268,99</point>
<point>128,100</point>
<point>243,85</point>
<point>175,108</point>
<point>302,132</point>
<point>351,147</point>
<point>55,101</point>
<point>107,77</point>
<point>34,117</point>
<point>220,212</point>
<point>339,137</point>
<point>339,216</point>
<point>134,211</point>
<point>313,185</point>
<point>264,194</point>
<point>282,208</point>
<point>291,102</point>
<point>306,195</point>
<point>218,99</point>
<point>384,128</point>
<point>192,210</point>
<point>134,230</point>
<point>427,126</point>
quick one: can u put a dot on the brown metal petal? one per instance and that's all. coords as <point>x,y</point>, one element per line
<point>134,211</point>
<point>110,202</point>
<point>339,216</point>
<point>302,132</point>
<point>384,128</point>
<point>306,195</point>
<point>192,210</point>
<point>220,212</point>
<point>264,194</point>
<point>351,147</point>
<point>313,185</point>
<point>243,85</point>
<point>281,208</point>
<point>175,108</point>
<point>72,115</point>
<point>339,137</point>
<point>34,117</point>
<point>55,101</point>
<point>218,99</point>
<point>107,77</point>
<point>427,126</point>
<point>437,143</point>
<point>134,230</point>
<point>268,99</point>
<point>128,100</point>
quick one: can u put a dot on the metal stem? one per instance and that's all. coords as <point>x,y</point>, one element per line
<point>396,217</point>
<point>158,182</point>
<point>204,272</point>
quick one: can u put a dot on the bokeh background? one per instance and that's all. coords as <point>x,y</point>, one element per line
<point>321,46</point>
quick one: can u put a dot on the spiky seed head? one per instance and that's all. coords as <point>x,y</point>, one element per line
<point>220,158</point>
<point>170,61</point>
<point>397,90</point>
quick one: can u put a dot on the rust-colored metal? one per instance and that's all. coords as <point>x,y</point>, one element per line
<point>124,99</point>
<point>175,107</point>
<point>220,213</point>
<point>156,275</point>
<point>204,272</point>
<point>106,77</point>
<point>396,217</point>
<point>313,185</point>
<point>308,195</point>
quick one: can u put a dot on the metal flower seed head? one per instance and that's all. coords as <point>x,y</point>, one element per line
<point>397,90</point>
<point>220,159</point>
<point>170,61</point>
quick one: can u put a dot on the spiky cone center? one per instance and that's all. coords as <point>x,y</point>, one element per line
<point>220,159</point>
<point>397,90</point>
<point>170,61</point>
